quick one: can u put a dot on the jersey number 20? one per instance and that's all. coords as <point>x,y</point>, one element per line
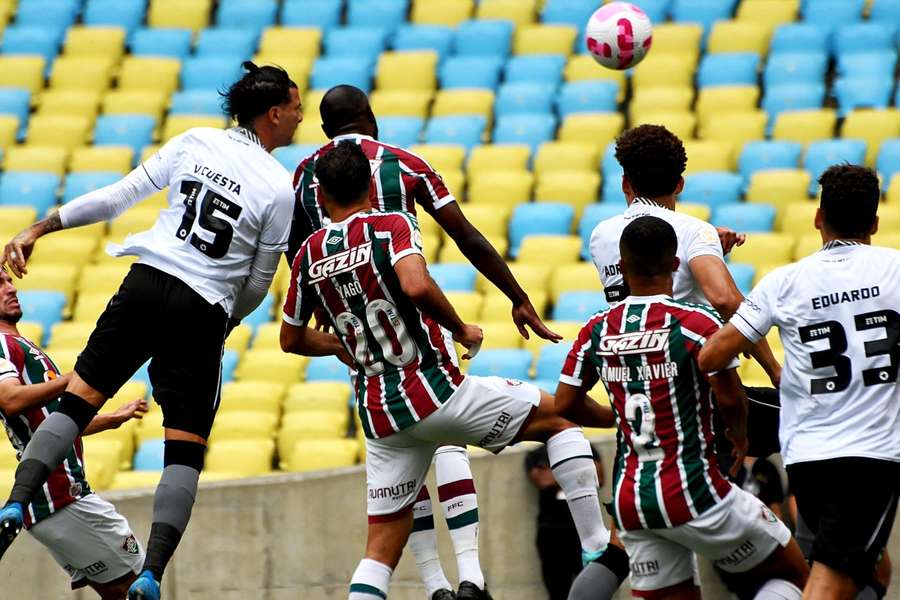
<point>397,348</point>
<point>222,230</point>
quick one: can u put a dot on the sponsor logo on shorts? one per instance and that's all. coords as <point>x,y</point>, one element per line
<point>639,342</point>
<point>497,429</point>
<point>743,552</point>
<point>645,569</point>
<point>767,515</point>
<point>131,546</point>
<point>94,569</point>
<point>342,262</point>
<point>394,492</point>
<point>75,489</point>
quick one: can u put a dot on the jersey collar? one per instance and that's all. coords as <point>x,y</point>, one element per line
<point>247,134</point>
<point>351,136</point>
<point>840,244</point>
<point>646,202</point>
<point>646,299</point>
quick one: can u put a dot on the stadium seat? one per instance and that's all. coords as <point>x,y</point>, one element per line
<point>32,189</point>
<point>737,128</point>
<point>450,253</point>
<point>745,218</point>
<point>805,126</point>
<point>44,307</point>
<point>467,304</point>
<point>324,14</point>
<point>471,72</point>
<point>239,425</point>
<point>533,129</point>
<point>597,129</point>
<point>795,67</point>
<point>56,277</point>
<point>576,277</point>
<point>888,162</point>
<point>759,156</point>
<point>545,69</point>
<point>661,99</point>
<point>550,361</point>
<point>769,13</point>
<point>797,218</point>
<point>400,131</point>
<point>55,14</point>
<point>454,278</point>
<point>245,458</point>
<point>294,41</point>
<point>318,396</point>
<point>519,98</point>
<point>342,70</point>
<point>509,364</point>
<point>517,11</point>
<point>168,42</point>
<point>682,123</point>
<point>31,40</point>
<point>583,67</point>
<point>16,102</point>
<point>310,425</point>
<point>441,157</point>
<point>386,14</point>
<point>9,126</point>
<point>578,189</point>
<point>763,249</point>
<point>135,131</point>
<point>886,11</point>
<point>135,102</point>
<point>442,12</point>
<point>664,70</point>
<point>270,365</point>
<point>463,102</point>
<point>821,155</point>
<point>76,250</point>
<point>327,368</point>
<point>208,73</point>
<point>81,73</point>
<point>829,14</point>
<point>437,38</point>
<point>466,131</point>
<point>69,334</point>
<point>779,186</point>
<point>107,42</point>
<point>103,278</point>
<point>149,457</point>
<point>731,68</point>
<point>317,455</point>
<point>555,156</point>
<point>743,276</point>
<point>192,15</point>
<point>266,336</point>
<point>196,102</point>
<point>406,71</point>
<point>799,37</point>
<point>498,157</point>
<point>249,14</point>
<point>62,131</point>
<point>867,64</point>
<point>490,220</point>
<point>678,38</point>
<point>127,14</point>
<point>231,42</point>
<point>42,159</point>
<point>534,218</point>
<point>177,124</point>
<point>14,219</point>
<point>360,43</point>
<point>872,126</point>
<point>708,155</point>
<point>578,306</point>
<point>863,92</point>
<point>587,97</point>
<point>78,184</point>
<point>252,394</point>
<point>103,457</point>
<point>864,37</point>
<point>713,189</point>
<point>26,72</point>
<point>702,12</point>
<point>159,74</point>
<point>738,36</point>
<point>545,39</point>
<point>70,103</point>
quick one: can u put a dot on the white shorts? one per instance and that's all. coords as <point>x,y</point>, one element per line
<point>91,541</point>
<point>484,411</point>
<point>737,535</point>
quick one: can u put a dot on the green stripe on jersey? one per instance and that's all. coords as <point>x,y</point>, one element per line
<point>389,176</point>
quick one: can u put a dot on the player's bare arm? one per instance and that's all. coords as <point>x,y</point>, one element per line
<point>308,341</point>
<point>729,238</point>
<point>17,398</point>
<point>574,403</point>
<point>722,347</point>
<point>18,250</point>
<point>484,257</point>
<point>136,409</point>
<point>732,402</point>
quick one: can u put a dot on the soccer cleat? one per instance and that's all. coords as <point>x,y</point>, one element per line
<point>470,591</point>
<point>144,588</point>
<point>443,595</point>
<point>11,520</point>
<point>589,557</point>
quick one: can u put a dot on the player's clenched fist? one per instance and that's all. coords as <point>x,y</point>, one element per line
<point>470,336</point>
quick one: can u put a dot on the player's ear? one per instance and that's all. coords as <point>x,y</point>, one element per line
<point>819,219</point>
<point>676,262</point>
<point>626,187</point>
<point>680,186</point>
<point>622,267</point>
<point>874,226</point>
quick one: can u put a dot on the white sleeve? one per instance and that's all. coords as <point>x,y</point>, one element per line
<point>258,282</point>
<point>277,221</point>
<point>704,241</point>
<point>755,316</point>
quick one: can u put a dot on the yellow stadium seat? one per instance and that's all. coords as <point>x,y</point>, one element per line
<point>797,218</point>
<point>271,365</point>
<point>134,480</point>
<point>764,269</point>
<point>9,128</point>
<point>31,330</point>
<point>238,424</point>
<point>739,36</point>
<point>568,329</point>
<point>500,334</point>
<point>81,73</point>
<point>89,306</point>
<point>7,478</point>
<point>501,188</point>
<point>129,392</point>
<point>193,14</point>
<point>726,99</point>
<point>176,124</point>
<point>576,188</point>
<point>678,38</point>
<point>149,73</point>
<point>807,244</point>
<point>805,126</point>
<point>467,304</point>
<point>135,101</point>
<point>661,99</point>
<point>497,307</point>
<point>450,253</point>
<point>25,71</point>
<point>246,458</point>
<point>150,428</point>
<point>316,455</point>
<point>873,126</point>
<point>31,157</point>
<point>769,13</point>
<point>239,339</point>
<point>79,103</point>
<point>597,129</point>
<point>737,128</point>
<point>503,157</point>
<point>520,12</point>
<point>8,460</point>
<point>455,180</point>
<point>401,103</point>
<point>310,425</point>
<point>577,277</point>
<point>778,186</point>
<point>14,219</point>
<point>442,157</point>
<point>699,211</point>
<point>297,67</point>
<point>752,373</point>
<point>318,395</point>
<point>312,99</point>
<point>764,249</point>
<point>532,277</point>
<point>556,156</point>
<point>101,459</point>
<point>94,232</point>
<point>889,219</point>
<point>409,71</point>
<point>267,336</point>
<point>682,123</point>
<point>310,132</point>
<point>296,41</point>
<point>661,70</point>
<point>115,159</point>
<point>427,224</point>
<point>544,39</point>
<point>441,12</point>
<point>708,156</point>
<point>64,131</point>
<point>65,250</point>
<point>550,249</point>
<point>134,220</point>
<point>888,240</point>
<point>252,395</point>
<point>583,67</point>
<point>463,102</point>
<point>69,334</point>
<point>893,192</point>
<point>95,41</point>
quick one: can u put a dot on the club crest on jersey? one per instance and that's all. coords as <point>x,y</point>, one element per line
<point>639,342</point>
<point>131,546</point>
<point>342,262</point>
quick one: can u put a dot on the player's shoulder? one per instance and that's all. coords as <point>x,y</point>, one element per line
<point>684,223</point>
<point>392,218</point>
<point>609,229</point>
<point>9,346</point>
<point>692,311</point>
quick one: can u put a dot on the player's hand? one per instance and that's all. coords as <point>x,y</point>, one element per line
<point>133,410</point>
<point>739,452</point>
<point>322,323</point>
<point>524,314</point>
<point>730,238</point>
<point>17,252</point>
<point>470,336</point>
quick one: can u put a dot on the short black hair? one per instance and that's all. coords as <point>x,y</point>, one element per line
<point>850,196</point>
<point>648,245</point>
<point>653,159</point>
<point>258,90</point>
<point>344,173</point>
<point>343,105</point>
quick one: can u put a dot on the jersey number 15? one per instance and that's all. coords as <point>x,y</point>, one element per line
<point>222,230</point>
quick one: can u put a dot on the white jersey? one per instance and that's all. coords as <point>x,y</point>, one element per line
<point>837,316</point>
<point>695,238</point>
<point>227,197</point>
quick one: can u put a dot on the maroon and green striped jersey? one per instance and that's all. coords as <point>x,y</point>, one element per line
<point>22,360</point>
<point>404,366</point>
<point>645,352</point>
<point>400,180</point>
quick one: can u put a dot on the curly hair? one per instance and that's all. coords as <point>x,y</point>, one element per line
<point>653,159</point>
<point>850,196</point>
<point>258,90</point>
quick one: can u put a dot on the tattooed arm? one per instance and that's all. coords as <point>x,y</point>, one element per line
<point>17,251</point>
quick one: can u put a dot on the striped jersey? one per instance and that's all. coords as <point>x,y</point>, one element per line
<point>405,370</point>
<point>644,350</point>
<point>22,360</point>
<point>400,179</point>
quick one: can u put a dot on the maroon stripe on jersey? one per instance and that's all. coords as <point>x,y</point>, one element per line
<point>381,423</point>
<point>436,337</point>
<point>584,338</point>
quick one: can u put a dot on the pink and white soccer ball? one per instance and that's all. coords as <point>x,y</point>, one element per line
<point>619,35</point>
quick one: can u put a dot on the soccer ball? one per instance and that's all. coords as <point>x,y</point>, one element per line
<point>619,35</point>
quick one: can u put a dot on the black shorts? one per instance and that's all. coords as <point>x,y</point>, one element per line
<point>849,504</point>
<point>156,316</point>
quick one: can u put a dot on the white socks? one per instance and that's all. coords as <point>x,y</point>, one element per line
<point>370,581</point>
<point>573,468</point>
<point>778,589</point>
<point>423,544</point>
<point>456,491</point>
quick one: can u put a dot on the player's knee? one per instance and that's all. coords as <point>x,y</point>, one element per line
<point>181,452</point>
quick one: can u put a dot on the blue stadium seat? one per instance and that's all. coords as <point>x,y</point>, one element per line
<point>537,68</point>
<point>509,364</point>
<point>547,385</point>
<point>81,183</point>
<point>712,188</point>
<point>324,14</point>
<point>864,37</point>
<point>587,96</point>
<point>578,306</point>
<point>329,71</point>
<point>463,130</point>
<point>291,156</point>
<point>32,39</point>
<point>610,164</point>
<point>531,218</point>
<point>792,96</point>
<point>424,37</point>
<point>657,10</point>
<point>127,14</point>
<point>150,456</point>
<point>231,42</point>
<point>569,12</point>
<point>24,188</point>
<point>517,98</point>
<point>155,41</point>
<point>124,130</point>
<point>550,361</point>
<point>453,277</point>
<point>759,156</point>
<point>885,11</point>
<point>829,14</point>
<point>196,102</point>
<point>704,12</point>
<point>799,37</point>
<point>246,14</point>
<point>862,92</point>
<point>483,38</point>
<point>16,102</point>
<point>366,42</point>
<point>531,129</point>
<point>229,364</point>
<point>470,72</point>
<point>388,14</point>
<point>743,275</point>
<point>823,154</point>
<point>400,131</point>
<point>888,162</point>
<point>593,214</point>
<point>208,73</point>
<point>795,67</point>
<point>611,192</point>
<point>55,14</point>
<point>746,217</point>
<point>728,68</point>
<point>262,313</point>
<point>867,64</point>
<point>327,368</point>
<point>43,306</point>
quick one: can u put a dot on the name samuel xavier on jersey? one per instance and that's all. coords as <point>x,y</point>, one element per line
<point>639,342</point>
